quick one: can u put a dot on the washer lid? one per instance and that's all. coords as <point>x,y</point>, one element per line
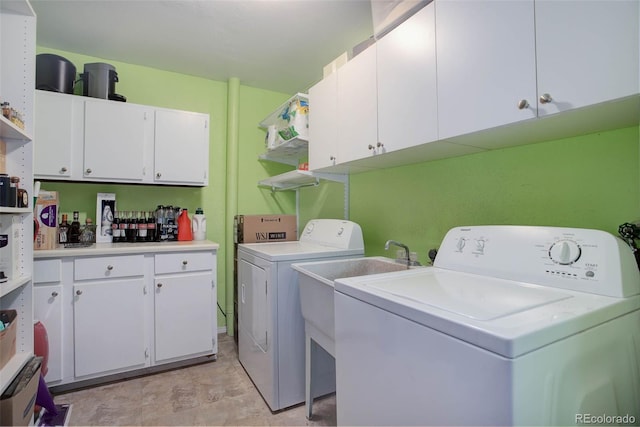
<point>298,250</point>
<point>506,317</point>
<point>480,298</point>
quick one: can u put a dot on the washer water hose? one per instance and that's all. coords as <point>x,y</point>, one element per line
<point>629,233</point>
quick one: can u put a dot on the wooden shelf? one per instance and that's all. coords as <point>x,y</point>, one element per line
<point>12,285</point>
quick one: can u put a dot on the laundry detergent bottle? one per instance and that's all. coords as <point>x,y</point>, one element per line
<point>199,225</point>
<point>184,226</point>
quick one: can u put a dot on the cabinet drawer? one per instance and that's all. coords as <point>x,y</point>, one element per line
<point>108,266</point>
<point>47,271</point>
<point>184,262</point>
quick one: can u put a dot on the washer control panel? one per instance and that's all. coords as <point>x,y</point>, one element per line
<point>336,233</point>
<point>571,258</point>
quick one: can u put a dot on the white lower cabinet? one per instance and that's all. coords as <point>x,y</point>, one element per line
<point>183,315</point>
<point>114,314</point>
<point>48,298</point>
<point>47,308</point>
<point>108,326</point>
<point>184,305</point>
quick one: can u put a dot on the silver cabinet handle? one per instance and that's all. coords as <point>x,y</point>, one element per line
<point>523,104</point>
<point>545,98</point>
<point>78,292</point>
<point>109,267</point>
<point>63,169</point>
<point>185,262</point>
<point>371,147</point>
<point>158,175</point>
<point>159,285</point>
<point>332,158</point>
<point>380,144</point>
<point>54,294</point>
<point>88,171</point>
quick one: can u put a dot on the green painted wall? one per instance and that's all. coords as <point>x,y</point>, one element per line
<point>590,181</point>
<point>142,85</point>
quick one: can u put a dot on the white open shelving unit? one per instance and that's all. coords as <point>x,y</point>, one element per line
<point>17,83</point>
<point>292,152</point>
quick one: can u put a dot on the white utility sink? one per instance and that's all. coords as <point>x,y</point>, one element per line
<point>315,281</point>
<point>316,291</point>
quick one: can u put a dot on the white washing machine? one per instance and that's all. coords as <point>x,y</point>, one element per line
<point>513,325</point>
<point>271,344</point>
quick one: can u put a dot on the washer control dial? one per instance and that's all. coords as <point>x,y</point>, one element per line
<point>565,252</point>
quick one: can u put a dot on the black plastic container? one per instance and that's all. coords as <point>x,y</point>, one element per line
<point>55,73</point>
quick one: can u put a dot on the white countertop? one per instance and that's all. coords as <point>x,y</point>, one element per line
<point>127,248</point>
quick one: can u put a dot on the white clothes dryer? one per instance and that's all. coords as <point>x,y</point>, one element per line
<point>513,325</point>
<point>271,340</point>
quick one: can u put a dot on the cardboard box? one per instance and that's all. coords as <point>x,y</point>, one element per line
<point>8,337</point>
<point>265,228</point>
<point>18,400</point>
<point>47,218</point>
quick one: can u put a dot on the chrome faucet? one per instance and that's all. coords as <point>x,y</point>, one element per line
<point>401,245</point>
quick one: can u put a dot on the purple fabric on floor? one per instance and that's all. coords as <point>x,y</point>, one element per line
<point>44,398</point>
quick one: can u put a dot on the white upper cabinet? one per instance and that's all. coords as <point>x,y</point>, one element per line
<point>323,123</point>
<point>357,107</point>
<point>58,127</point>
<point>407,90</point>
<point>587,52</point>
<point>181,154</point>
<point>88,139</point>
<point>116,136</point>
<point>486,64</point>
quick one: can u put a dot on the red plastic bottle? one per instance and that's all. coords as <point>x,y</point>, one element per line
<point>184,226</point>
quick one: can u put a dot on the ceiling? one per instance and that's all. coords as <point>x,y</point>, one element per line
<point>279,45</point>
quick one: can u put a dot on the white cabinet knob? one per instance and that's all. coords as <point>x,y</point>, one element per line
<point>545,98</point>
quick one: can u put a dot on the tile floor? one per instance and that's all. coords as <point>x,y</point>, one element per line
<point>210,394</point>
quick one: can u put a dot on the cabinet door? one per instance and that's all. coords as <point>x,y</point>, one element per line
<point>407,91</point>
<point>486,64</point>
<point>323,123</point>
<point>184,310</point>
<point>108,326</point>
<point>58,130</point>
<point>47,308</point>
<point>116,137</point>
<point>357,107</point>
<point>181,153</point>
<point>587,51</point>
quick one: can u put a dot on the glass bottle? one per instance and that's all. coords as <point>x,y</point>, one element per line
<point>142,226</point>
<point>115,227</point>
<point>171,223</point>
<point>132,230</point>
<point>161,231</point>
<point>74,229</point>
<point>88,234</point>
<point>151,227</point>
<point>124,226</point>
<point>63,230</point>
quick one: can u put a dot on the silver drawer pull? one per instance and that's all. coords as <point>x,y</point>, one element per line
<point>78,292</point>
<point>185,262</point>
<point>63,169</point>
<point>88,171</point>
<point>54,294</point>
<point>109,267</point>
<point>159,285</point>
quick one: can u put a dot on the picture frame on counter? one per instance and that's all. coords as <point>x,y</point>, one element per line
<point>105,209</point>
